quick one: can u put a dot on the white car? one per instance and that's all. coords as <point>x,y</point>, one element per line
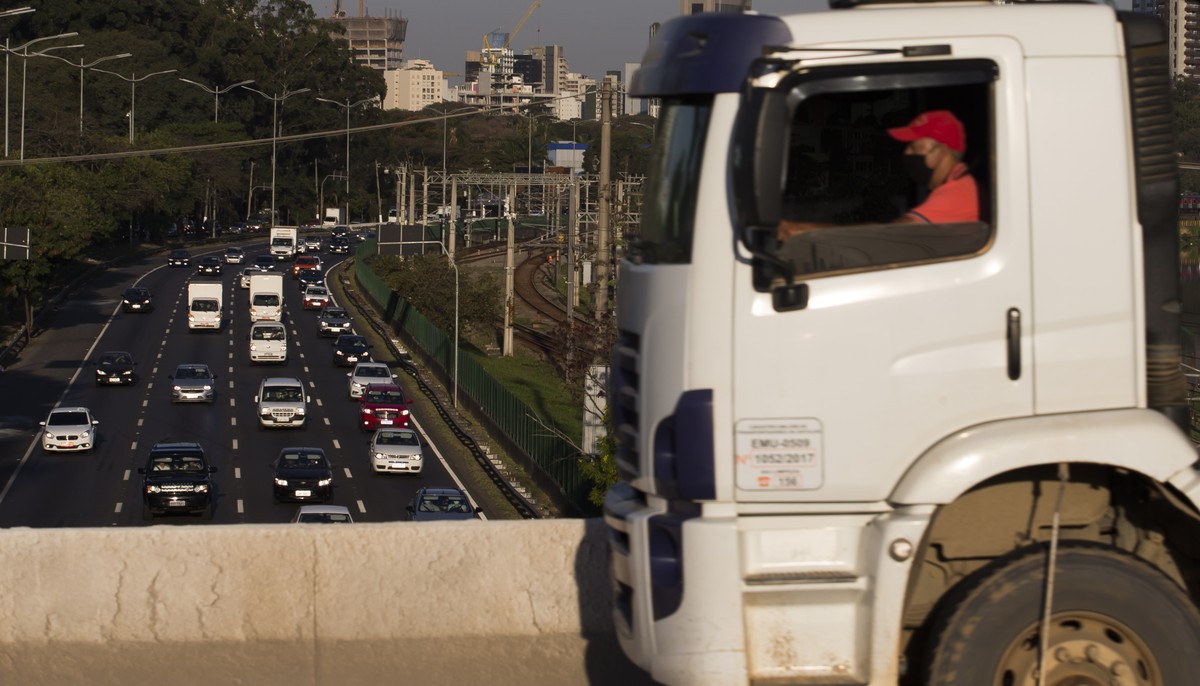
<point>396,450</point>
<point>234,255</point>
<point>69,429</point>
<point>244,277</point>
<point>322,514</point>
<point>282,403</point>
<point>366,373</point>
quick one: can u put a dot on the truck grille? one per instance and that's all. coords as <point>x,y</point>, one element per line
<point>624,383</point>
<point>387,414</point>
<point>282,413</point>
<point>176,488</point>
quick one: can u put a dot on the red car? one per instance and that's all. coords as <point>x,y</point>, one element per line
<point>305,262</point>
<point>316,297</point>
<point>383,405</point>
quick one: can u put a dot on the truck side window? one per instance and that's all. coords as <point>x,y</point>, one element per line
<point>854,201</point>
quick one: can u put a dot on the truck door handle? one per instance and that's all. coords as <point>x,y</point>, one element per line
<point>1014,343</point>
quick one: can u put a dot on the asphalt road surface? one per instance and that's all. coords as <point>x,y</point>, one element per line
<point>102,487</point>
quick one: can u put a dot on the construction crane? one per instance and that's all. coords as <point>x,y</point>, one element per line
<point>489,55</point>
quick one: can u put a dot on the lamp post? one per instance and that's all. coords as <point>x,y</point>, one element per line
<point>217,91</point>
<point>9,13</point>
<point>347,106</point>
<point>275,100</point>
<point>334,175</point>
<point>82,65</point>
<point>134,80</point>
<point>23,51</point>
<point>446,117</point>
<point>529,165</point>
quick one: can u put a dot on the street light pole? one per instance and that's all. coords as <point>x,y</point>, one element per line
<point>446,118</point>
<point>9,13</point>
<point>347,106</point>
<point>23,51</point>
<point>83,66</point>
<point>133,80</point>
<point>275,100</point>
<point>217,91</point>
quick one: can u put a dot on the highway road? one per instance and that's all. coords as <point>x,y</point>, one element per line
<point>102,487</point>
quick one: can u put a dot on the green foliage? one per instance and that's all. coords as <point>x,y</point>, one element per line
<point>427,283</point>
<point>601,468</point>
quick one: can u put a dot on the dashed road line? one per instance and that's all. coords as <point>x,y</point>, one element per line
<point>126,476</point>
<point>117,509</point>
<point>326,421</point>
<point>237,472</point>
<point>240,507</point>
<point>233,421</point>
<point>336,445</point>
<point>133,446</point>
<point>348,474</point>
<point>362,509</point>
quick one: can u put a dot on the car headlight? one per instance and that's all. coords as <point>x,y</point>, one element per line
<point>49,435</point>
<point>339,353</point>
<point>416,457</point>
<point>178,388</point>
<point>300,411</point>
<point>380,456</point>
<point>252,347</point>
<point>125,301</point>
<point>208,388</point>
<point>403,413</point>
<point>280,482</point>
<point>324,482</point>
<point>85,434</point>
<point>101,372</point>
<point>127,372</point>
<point>200,488</point>
<point>152,488</point>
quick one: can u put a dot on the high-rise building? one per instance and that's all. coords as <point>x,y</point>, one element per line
<point>414,86</point>
<point>1182,19</point>
<point>698,6</point>
<point>377,42</point>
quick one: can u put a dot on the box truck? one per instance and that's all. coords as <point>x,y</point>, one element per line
<point>266,297</point>
<point>204,305</point>
<point>283,243</point>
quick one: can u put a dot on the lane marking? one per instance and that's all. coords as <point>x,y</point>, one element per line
<point>336,445</point>
<point>154,371</point>
<point>140,420</point>
<point>133,446</point>
<point>237,472</point>
<point>117,509</point>
<point>231,383</point>
<point>326,421</point>
<point>362,509</point>
<point>305,369</point>
<point>233,421</point>
<point>145,402</point>
<point>232,401</point>
<point>348,474</point>
<point>149,385</point>
<point>241,509</point>
<point>319,403</point>
<point>235,444</point>
<point>312,384</point>
<point>127,473</point>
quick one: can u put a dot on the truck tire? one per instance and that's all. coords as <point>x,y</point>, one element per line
<point>1114,618</point>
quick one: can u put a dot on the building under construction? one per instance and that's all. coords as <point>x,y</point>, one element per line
<point>377,42</point>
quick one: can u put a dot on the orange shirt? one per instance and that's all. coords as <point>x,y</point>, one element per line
<point>956,200</point>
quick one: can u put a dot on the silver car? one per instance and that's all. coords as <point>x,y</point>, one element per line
<point>244,277</point>
<point>397,450</point>
<point>69,429</point>
<point>333,321</point>
<point>193,383</point>
<point>366,373</point>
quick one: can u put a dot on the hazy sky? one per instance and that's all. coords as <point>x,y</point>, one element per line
<point>597,35</point>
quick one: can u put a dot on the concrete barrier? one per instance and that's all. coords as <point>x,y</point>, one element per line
<point>494,603</point>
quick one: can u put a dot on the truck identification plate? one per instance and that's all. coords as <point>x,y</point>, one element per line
<point>779,455</point>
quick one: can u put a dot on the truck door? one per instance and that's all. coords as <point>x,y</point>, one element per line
<point>893,335</point>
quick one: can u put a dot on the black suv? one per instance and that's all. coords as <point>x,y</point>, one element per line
<point>177,478</point>
<point>339,244</point>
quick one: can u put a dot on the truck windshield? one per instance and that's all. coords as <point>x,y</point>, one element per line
<point>669,209</point>
<point>281,241</point>
<point>266,299</point>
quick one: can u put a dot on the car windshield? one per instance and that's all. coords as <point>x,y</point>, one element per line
<point>209,260</point>
<point>325,518</point>
<point>179,253</point>
<point>302,461</point>
<point>67,419</point>
<point>316,290</point>
<point>395,397</point>
<point>397,438</point>
<point>443,503</point>
<point>176,463</point>
<point>373,372</point>
<point>233,251</point>
<point>334,314</point>
<point>135,293</point>
<point>267,333</point>
<point>115,358</point>
<point>353,344</point>
<point>192,373</point>
<point>282,394</point>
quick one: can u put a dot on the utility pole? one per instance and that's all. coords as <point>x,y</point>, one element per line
<point>412,199</point>
<point>603,218</point>
<point>424,200</point>
<point>250,193</point>
<point>572,227</point>
<point>453,216</point>
<point>508,277</point>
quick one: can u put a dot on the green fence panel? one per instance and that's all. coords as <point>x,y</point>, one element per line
<point>556,457</point>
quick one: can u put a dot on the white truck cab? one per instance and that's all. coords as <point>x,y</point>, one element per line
<point>886,452</point>
<point>268,342</point>
<point>266,297</point>
<point>204,305</point>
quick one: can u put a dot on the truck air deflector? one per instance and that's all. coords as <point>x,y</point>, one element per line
<point>705,53</point>
<point>683,449</point>
<point>1157,181</point>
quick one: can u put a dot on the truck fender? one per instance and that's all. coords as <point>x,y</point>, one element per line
<point>1140,440</point>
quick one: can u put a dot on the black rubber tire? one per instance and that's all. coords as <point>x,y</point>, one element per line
<point>992,620</point>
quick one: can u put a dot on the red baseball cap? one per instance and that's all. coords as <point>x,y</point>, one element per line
<point>940,125</point>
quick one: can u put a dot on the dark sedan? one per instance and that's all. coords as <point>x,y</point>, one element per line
<point>333,321</point>
<point>339,244</point>
<point>439,504</point>
<point>310,277</point>
<point>114,369</point>
<point>179,258</point>
<point>349,350</point>
<point>209,264</point>
<point>136,299</point>
<point>303,474</point>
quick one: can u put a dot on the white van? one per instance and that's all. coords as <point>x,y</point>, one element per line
<point>281,402</point>
<point>268,342</point>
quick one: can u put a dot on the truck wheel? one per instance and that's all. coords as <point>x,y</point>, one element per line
<point>1115,619</point>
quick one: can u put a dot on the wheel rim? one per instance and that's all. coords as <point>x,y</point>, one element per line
<point>1085,649</point>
